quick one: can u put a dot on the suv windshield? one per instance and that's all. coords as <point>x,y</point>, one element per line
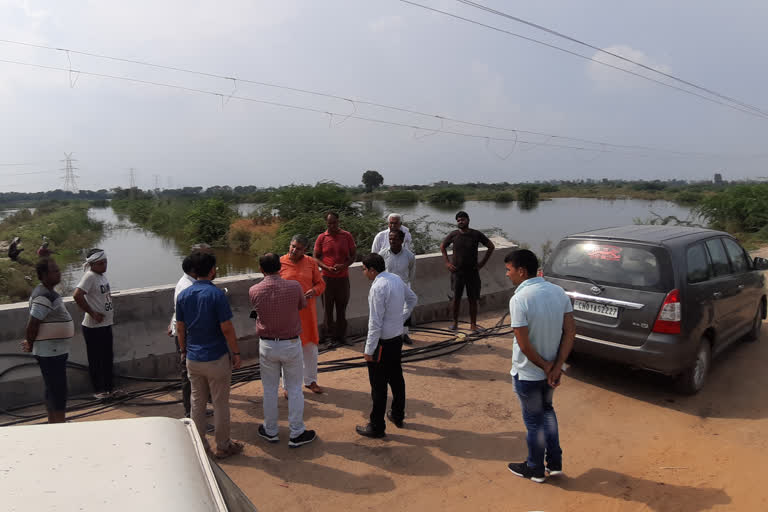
<point>613,264</point>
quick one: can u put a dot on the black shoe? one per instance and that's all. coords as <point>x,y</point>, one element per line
<point>305,437</point>
<point>209,428</point>
<point>554,469</point>
<point>368,431</point>
<point>209,412</point>
<point>263,433</point>
<point>407,339</point>
<point>390,417</point>
<point>524,470</point>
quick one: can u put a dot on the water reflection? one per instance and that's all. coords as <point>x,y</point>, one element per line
<point>138,258</point>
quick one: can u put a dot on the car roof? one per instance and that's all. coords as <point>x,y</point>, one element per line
<point>649,233</point>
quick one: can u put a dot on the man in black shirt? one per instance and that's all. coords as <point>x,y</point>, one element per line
<point>465,270</point>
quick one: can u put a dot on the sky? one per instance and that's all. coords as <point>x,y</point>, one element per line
<point>382,51</point>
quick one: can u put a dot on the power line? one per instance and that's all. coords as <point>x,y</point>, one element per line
<point>586,57</point>
<point>612,54</point>
<point>441,118</point>
<point>297,107</point>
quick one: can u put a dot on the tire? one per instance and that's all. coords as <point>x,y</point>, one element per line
<point>692,380</point>
<point>757,324</point>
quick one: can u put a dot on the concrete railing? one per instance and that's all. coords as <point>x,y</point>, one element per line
<point>143,348</point>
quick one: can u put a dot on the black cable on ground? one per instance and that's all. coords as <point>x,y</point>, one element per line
<point>458,341</point>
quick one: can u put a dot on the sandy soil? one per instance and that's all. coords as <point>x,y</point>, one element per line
<point>630,443</point>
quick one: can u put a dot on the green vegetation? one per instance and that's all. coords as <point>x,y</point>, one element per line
<point>401,197</point>
<point>528,194</point>
<point>69,230</point>
<point>372,179</point>
<point>447,196</point>
<point>741,210</point>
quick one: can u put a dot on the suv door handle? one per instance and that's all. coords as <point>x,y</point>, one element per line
<point>741,287</point>
<point>717,295</point>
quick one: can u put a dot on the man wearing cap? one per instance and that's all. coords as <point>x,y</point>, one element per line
<point>93,296</point>
<point>395,223</point>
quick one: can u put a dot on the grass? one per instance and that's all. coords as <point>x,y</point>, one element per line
<point>69,231</point>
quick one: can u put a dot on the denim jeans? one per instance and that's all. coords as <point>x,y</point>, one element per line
<point>540,421</point>
<point>285,356</point>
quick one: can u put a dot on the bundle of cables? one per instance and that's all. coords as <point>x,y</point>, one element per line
<point>87,406</point>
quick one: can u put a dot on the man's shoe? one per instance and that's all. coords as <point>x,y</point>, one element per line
<point>209,429</point>
<point>524,470</point>
<point>209,412</point>
<point>315,388</point>
<point>390,417</point>
<point>263,433</point>
<point>554,469</point>
<point>407,339</point>
<point>305,437</point>
<point>368,431</point>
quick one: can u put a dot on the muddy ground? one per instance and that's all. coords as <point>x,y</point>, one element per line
<point>630,442</point>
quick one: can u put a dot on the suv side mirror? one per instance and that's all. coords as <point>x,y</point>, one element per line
<point>760,263</point>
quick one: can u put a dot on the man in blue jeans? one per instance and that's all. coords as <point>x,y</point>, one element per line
<point>542,318</point>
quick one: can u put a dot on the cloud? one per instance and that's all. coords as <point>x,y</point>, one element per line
<point>612,79</point>
<point>388,28</point>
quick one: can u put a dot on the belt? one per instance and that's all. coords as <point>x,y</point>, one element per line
<point>279,339</point>
<point>391,340</point>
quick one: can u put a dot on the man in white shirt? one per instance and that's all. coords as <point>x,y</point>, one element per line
<point>390,302</point>
<point>185,281</point>
<point>381,240</point>
<point>401,262</point>
<point>94,297</point>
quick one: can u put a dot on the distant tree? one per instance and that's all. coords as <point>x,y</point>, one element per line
<point>372,179</point>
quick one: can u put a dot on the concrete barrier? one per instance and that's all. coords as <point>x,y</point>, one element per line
<point>142,347</point>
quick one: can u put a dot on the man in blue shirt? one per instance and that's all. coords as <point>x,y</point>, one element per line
<point>542,318</point>
<point>207,336</point>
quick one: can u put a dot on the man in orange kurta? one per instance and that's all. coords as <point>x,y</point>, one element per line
<point>297,266</point>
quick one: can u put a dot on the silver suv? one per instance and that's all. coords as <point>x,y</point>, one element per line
<point>664,298</point>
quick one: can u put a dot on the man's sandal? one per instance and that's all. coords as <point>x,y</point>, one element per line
<point>233,448</point>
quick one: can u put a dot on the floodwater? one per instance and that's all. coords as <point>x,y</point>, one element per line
<point>139,258</point>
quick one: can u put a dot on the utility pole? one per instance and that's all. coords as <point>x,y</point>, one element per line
<point>70,183</point>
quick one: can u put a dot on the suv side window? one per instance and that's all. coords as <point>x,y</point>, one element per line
<point>698,264</point>
<point>720,264</point>
<point>738,258</point>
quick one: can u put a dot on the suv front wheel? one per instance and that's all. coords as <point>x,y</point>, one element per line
<point>692,380</point>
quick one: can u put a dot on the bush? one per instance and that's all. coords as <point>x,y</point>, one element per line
<point>401,197</point>
<point>446,196</point>
<point>208,221</point>
<point>504,197</point>
<point>741,208</point>
<point>528,194</point>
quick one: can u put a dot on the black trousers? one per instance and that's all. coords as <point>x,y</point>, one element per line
<point>386,369</point>
<point>98,343</point>
<point>336,296</point>
<point>186,386</point>
<point>54,370</point>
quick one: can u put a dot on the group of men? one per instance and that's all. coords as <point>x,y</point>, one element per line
<point>50,330</point>
<point>283,305</point>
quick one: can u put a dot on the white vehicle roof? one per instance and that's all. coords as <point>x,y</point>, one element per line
<point>141,464</point>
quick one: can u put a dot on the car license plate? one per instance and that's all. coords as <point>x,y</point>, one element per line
<point>595,308</point>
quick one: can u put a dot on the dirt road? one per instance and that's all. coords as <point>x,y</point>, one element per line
<point>630,443</point>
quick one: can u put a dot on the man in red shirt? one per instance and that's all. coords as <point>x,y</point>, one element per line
<point>277,302</point>
<point>335,252</point>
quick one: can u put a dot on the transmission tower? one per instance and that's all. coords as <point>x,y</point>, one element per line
<point>132,178</point>
<point>157,182</point>
<point>70,183</point>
